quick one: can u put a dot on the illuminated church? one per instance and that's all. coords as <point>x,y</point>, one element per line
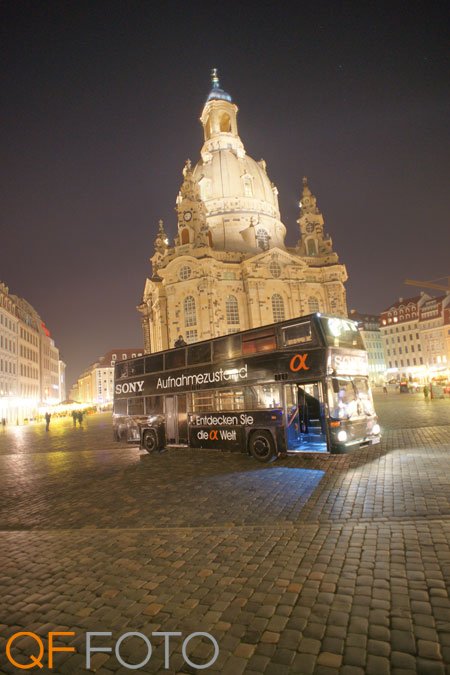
<point>228,268</point>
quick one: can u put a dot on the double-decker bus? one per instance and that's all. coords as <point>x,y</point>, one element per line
<point>295,386</point>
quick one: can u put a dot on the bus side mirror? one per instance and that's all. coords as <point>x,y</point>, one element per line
<point>335,384</point>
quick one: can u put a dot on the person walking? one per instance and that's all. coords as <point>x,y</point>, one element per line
<point>80,418</point>
<point>47,420</point>
<point>426,392</point>
<point>74,417</point>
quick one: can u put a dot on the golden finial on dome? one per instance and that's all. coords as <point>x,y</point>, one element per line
<point>214,77</point>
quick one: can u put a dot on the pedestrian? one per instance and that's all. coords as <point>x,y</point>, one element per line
<point>180,342</point>
<point>385,389</point>
<point>74,417</point>
<point>4,423</point>
<point>47,420</point>
<point>80,418</point>
<point>426,392</point>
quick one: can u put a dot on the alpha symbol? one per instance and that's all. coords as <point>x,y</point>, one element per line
<point>298,362</point>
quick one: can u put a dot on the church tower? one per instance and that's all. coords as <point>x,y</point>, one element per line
<point>229,268</point>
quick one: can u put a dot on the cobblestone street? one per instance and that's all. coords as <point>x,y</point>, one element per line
<point>314,564</point>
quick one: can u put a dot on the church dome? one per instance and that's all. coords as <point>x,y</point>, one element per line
<point>217,92</point>
<point>236,190</point>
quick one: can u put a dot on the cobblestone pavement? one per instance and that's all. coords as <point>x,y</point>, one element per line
<point>320,564</point>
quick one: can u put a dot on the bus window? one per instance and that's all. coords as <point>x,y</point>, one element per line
<point>153,405</point>
<point>259,341</point>
<point>136,406</point>
<point>341,332</point>
<point>200,353</point>
<point>298,334</point>
<point>228,347</point>
<point>120,406</point>
<point>349,397</point>
<point>175,358</point>
<point>154,363</point>
<point>230,399</point>
<point>136,367</point>
<point>202,401</point>
<point>263,396</point>
<point>364,395</point>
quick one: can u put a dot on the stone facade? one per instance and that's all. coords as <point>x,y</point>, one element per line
<point>369,327</point>
<point>31,371</point>
<point>229,268</point>
<point>400,329</point>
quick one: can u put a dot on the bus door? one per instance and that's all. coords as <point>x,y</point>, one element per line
<point>176,418</point>
<point>305,417</point>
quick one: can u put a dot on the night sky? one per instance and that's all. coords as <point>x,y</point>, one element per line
<point>100,108</point>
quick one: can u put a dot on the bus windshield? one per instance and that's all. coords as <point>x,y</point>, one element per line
<point>341,332</point>
<point>350,397</point>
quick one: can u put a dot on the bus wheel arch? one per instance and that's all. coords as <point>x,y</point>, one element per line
<point>261,445</point>
<point>150,440</point>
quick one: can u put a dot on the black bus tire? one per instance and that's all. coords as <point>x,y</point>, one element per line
<point>261,446</point>
<point>150,441</point>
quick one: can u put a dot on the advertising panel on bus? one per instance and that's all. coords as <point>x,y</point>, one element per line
<point>302,365</point>
<point>227,430</point>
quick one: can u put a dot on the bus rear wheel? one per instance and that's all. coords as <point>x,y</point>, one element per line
<point>261,446</point>
<point>150,441</point>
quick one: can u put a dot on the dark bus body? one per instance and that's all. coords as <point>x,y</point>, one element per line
<point>295,386</point>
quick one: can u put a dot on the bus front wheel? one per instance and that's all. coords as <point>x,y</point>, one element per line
<point>261,446</point>
<point>150,441</point>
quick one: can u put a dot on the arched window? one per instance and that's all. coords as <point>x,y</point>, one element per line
<point>208,128</point>
<point>313,305</point>
<point>232,310</point>
<point>262,238</point>
<point>185,272</point>
<point>278,307</point>
<point>311,247</point>
<point>225,123</point>
<point>190,315</point>
<point>185,236</point>
<point>248,186</point>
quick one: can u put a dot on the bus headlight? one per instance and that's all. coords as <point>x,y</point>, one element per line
<point>342,436</point>
<point>376,429</point>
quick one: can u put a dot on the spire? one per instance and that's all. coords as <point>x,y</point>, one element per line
<point>190,188</point>
<point>308,203</point>
<point>217,92</point>
<point>161,241</point>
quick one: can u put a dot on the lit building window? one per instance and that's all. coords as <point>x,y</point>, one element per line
<point>190,315</point>
<point>232,310</point>
<point>278,307</point>
<point>191,335</point>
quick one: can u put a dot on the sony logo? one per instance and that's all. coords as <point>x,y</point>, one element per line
<point>130,387</point>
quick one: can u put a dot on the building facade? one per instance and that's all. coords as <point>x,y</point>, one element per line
<point>434,324</point>
<point>96,384</point>
<point>401,331</point>
<point>369,327</point>
<point>229,268</point>
<point>30,364</point>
